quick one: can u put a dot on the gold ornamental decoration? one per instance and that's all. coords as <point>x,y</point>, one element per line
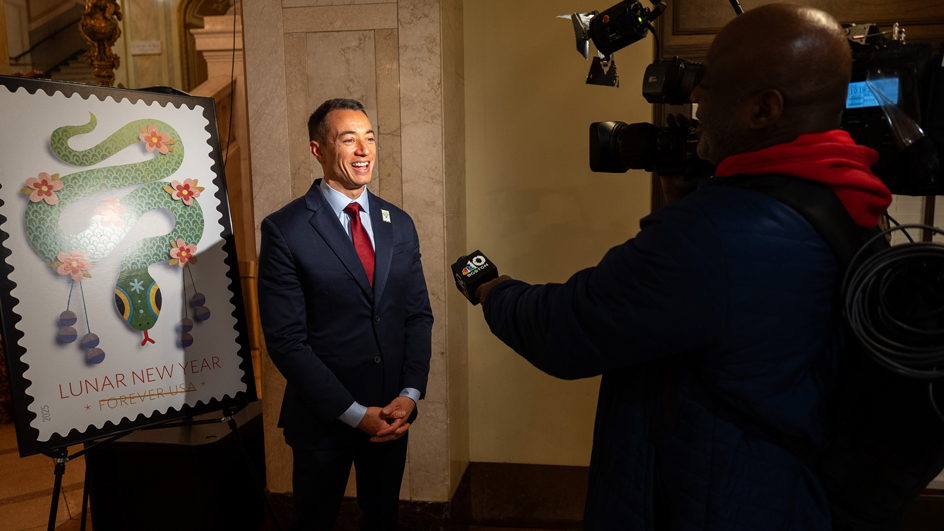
<point>99,26</point>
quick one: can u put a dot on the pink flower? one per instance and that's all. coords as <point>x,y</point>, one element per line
<point>77,264</point>
<point>156,139</point>
<point>182,253</point>
<point>43,188</point>
<point>110,213</point>
<point>186,191</point>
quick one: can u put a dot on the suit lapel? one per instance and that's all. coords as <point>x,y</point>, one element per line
<point>329,227</point>
<point>383,245</point>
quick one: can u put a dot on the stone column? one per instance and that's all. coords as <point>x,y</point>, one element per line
<point>223,53</point>
<point>221,43</point>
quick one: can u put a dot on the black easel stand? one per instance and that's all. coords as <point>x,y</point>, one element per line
<point>60,460</point>
<point>85,497</point>
<point>61,457</point>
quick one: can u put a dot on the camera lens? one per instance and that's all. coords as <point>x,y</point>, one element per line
<point>616,147</point>
<point>605,147</point>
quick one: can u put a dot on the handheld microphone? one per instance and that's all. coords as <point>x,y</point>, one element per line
<point>471,272</point>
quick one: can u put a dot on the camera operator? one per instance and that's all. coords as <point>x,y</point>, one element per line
<point>724,297</point>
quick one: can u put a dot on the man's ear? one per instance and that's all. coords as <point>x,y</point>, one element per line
<point>315,148</point>
<point>766,109</point>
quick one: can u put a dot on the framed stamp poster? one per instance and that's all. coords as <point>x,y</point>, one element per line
<point>120,298</point>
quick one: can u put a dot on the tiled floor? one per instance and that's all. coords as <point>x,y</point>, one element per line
<point>26,488</point>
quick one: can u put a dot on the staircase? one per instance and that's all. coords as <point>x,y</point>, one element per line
<point>75,70</point>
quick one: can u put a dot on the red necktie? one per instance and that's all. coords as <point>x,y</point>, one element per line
<point>361,240</point>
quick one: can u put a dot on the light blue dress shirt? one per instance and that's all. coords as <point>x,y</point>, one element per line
<point>354,414</point>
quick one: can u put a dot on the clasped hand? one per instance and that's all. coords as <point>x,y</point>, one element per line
<point>388,423</point>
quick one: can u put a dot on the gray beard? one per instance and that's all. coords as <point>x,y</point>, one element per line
<point>720,141</point>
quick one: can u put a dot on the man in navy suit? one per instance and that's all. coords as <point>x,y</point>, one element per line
<point>347,321</point>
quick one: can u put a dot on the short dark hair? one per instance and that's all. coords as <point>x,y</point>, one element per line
<point>317,123</point>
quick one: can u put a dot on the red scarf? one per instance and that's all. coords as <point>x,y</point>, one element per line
<point>831,158</point>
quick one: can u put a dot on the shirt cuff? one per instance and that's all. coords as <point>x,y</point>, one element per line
<point>354,415</point>
<point>412,393</point>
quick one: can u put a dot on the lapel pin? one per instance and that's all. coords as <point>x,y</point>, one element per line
<point>386,215</point>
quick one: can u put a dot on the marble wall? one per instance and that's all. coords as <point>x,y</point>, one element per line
<point>403,60</point>
<point>457,307</point>
<point>536,209</point>
<point>150,20</point>
<point>4,49</point>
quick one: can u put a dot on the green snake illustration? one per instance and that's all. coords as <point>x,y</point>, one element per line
<point>137,295</point>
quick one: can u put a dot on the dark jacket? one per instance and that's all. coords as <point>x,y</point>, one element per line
<point>724,295</point>
<point>333,337</point>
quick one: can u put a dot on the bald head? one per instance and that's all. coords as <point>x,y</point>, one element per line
<point>777,71</point>
<point>800,51</point>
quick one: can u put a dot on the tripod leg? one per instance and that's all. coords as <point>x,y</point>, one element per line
<point>252,469</point>
<point>85,498</point>
<point>61,459</point>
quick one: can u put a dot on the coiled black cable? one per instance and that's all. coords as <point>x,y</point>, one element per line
<point>893,303</point>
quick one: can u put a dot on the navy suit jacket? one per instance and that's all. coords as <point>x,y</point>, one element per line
<point>333,337</point>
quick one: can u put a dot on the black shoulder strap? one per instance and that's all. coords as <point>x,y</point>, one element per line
<point>816,203</point>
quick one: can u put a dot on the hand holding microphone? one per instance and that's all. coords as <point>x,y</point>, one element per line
<point>475,276</point>
<point>482,292</point>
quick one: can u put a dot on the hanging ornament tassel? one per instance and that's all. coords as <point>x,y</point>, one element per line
<point>96,355</point>
<point>198,301</point>
<point>67,333</point>
<point>90,340</point>
<point>185,326</point>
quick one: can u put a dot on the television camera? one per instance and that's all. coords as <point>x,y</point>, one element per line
<point>895,105</point>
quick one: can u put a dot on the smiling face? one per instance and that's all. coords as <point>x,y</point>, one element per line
<point>348,151</point>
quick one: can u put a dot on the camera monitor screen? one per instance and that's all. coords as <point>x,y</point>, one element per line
<point>861,96</point>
